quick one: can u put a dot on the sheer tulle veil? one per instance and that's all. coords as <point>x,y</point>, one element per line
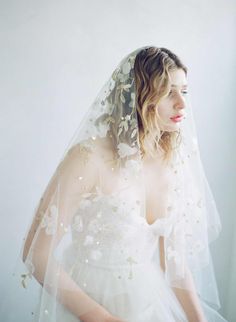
<point>44,271</point>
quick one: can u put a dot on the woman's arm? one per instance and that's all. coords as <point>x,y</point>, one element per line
<point>68,292</point>
<point>40,244</point>
<point>188,298</point>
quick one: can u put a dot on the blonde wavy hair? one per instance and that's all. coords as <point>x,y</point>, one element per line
<point>151,68</point>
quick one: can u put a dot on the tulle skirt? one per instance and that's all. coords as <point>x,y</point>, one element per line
<point>133,292</point>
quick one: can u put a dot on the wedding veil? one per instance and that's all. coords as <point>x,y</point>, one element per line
<point>47,274</point>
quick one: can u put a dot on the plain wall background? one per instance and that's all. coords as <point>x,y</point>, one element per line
<point>54,58</point>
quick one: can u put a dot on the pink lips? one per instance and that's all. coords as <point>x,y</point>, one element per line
<point>177,118</point>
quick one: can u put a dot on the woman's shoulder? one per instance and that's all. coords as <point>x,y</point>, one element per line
<point>91,151</point>
<point>78,157</point>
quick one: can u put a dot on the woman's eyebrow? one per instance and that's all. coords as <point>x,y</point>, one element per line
<point>184,85</point>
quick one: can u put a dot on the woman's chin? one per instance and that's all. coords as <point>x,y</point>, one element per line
<point>171,127</point>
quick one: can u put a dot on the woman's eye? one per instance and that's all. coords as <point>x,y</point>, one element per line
<point>183,92</point>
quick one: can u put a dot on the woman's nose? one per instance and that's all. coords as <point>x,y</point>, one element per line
<point>180,102</point>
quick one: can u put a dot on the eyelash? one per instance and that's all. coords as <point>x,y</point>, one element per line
<point>184,92</point>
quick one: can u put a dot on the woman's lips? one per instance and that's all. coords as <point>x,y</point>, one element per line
<point>177,118</point>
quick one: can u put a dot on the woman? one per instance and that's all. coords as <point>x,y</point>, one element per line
<point>121,232</point>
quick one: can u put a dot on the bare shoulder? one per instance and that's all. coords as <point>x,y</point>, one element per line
<point>84,151</point>
<point>90,152</point>
<point>79,157</point>
<point>103,149</point>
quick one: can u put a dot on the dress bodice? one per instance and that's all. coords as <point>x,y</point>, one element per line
<point>111,229</point>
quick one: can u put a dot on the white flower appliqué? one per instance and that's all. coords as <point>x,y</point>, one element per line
<point>95,254</point>
<point>172,254</point>
<point>88,240</point>
<point>132,167</point>
<point>126,68</point>
<point>125,150</point>
<point>102,130</point>
<point>78,223</point>
<point>49,221</point>
<point>131,103</point>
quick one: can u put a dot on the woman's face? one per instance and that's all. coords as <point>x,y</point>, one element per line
<point>173,104</point>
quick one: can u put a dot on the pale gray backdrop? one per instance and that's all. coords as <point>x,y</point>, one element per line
<point>54,58</point>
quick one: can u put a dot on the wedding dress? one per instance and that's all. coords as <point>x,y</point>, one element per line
<point>113,255</point>
<point>114,258</point>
